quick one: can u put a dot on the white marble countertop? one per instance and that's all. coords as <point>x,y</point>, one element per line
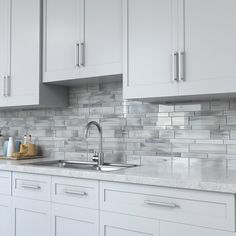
<point>204,175</point>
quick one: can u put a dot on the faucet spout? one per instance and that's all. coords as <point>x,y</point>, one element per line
<point>100,157</point>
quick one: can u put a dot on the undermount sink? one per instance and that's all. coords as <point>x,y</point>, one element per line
<point>83,165</point>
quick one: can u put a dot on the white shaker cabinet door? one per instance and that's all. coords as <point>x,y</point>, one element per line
<point>74,221</point>
<point>23,83</point>
<point>208,37</point>
<point>31,217</point>
<point>102,37</point>
<point>62,23</point>
<point>150,42</point>
<point>4,46</point>
<point>5,216</point>
<point>172,229</point>
<point>112,224</point>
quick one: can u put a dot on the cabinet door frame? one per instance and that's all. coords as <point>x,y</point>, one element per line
<point>136,224</point>
<point>5,201</point>
<point>149,91</point>
<point>178,229</point>
<point>32,206</point>
<point>95,68</point>
<point>202,88</point>
<point>63,74</point>
<point>74,213</point>
<point>5,67</point>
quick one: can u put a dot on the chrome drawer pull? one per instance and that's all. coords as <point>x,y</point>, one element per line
<point>74,192</point>
<point>27,186</point>
<point>161,204</point>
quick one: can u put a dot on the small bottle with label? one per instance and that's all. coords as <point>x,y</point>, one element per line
<point>10,147</point>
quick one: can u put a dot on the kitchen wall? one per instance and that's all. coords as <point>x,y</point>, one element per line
<point>131,129</point>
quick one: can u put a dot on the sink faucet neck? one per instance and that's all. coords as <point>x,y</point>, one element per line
<point>100,157</point>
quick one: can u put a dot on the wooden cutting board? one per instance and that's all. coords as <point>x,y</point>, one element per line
<point>19,158</point>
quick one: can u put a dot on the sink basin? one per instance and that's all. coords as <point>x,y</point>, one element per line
<point>83,165</point>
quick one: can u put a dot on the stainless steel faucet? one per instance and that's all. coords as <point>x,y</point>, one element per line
<point>99,158</point>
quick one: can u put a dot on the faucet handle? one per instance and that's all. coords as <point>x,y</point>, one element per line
<point>95,156</point>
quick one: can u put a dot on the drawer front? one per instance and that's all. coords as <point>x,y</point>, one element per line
<point>5,182</point>
<point>32,186</point>
<point>76,192</point>
<point>214,210</point>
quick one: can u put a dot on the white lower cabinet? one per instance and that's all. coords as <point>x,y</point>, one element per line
<point>42,205</point>
<point>74,221</point>
<point>31,217</point>
<point>173,229</point>
<point>5,215</point>
<point>112,224</point>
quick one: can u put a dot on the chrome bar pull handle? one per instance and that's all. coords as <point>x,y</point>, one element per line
<point>176,66</point>
<point>8,86</point>
<point>161,204</point>
<point>182,66</point>
<point>28,186</point>
<point>77,55</point>
<point>82,45</point>
<point>74,192</point>
<point>4,86</point>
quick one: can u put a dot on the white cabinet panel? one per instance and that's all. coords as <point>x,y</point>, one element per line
<point>25,60</point>
<point>117,225</point>
<point>62,20</point>
<point>74,221</point>
<point>78,192</point>
<point>5,183</point>
<point>203,31</point>
<point>4,45</point>
<point>5,216</point>
<point>215,210</point>
<point>82,39</point>
<point>170,229</point>
<point>150,42</point>
<point>20,57</point>
<point>208,38</point>
<point>31,217</point>
<point>32,186</point>
<point>102,37</point>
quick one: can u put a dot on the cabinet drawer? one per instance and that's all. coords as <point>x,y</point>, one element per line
<point>213,210</point>
<point>32,186</point>
<point>76,192</point>
<point>5,182</point>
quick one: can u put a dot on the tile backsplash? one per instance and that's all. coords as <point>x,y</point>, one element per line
<point>133,131</point>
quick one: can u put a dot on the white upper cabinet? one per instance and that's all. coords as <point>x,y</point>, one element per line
<point>62,31</point>
<point>4,45</point>
<point>82,39</point>
<point>20,57</point>
<point>209,46</point>
<point>179,49</point>
<point>23,80</point>
<point>150,43</point>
